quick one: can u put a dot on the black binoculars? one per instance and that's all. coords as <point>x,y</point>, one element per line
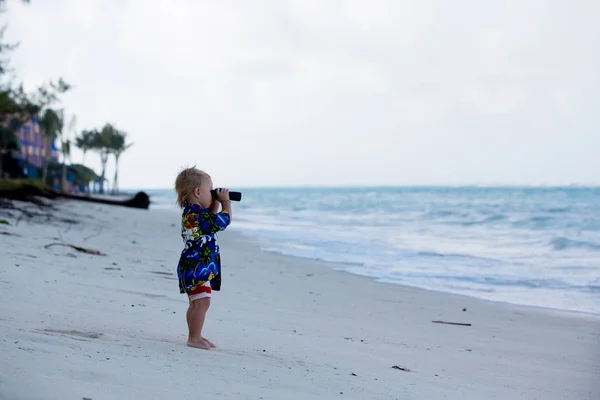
<point>233,196</point>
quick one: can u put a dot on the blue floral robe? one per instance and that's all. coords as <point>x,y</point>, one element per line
<point>200,260</point>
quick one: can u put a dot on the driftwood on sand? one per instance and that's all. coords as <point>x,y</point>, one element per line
<point>81,249</point>
<point>15,190</point>
<point>27,192</point>
<point>451,323</point>
<point>139,200</point>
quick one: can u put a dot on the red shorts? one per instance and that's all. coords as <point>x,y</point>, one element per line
<point>201,292</point>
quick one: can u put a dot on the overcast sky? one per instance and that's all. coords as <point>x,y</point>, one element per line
<point>323,92</point>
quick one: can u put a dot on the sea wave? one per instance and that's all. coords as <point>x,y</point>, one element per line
<point>526,246</point>
<point>485,221</point>
<point>562,243</point>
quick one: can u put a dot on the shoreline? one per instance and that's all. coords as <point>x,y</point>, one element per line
<point>113,326</point>
<point>332,265</point>
<point>560,280</point>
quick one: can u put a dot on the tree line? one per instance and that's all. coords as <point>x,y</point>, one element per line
<point>18,107</point>
<point>106,142</point>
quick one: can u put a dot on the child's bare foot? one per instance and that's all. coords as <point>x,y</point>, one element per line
<point>211,344</point>
<point>198,343</point>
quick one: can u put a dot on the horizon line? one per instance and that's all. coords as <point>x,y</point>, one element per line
<point>401,186</point>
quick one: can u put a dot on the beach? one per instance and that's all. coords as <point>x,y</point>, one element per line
<point>84,326</point>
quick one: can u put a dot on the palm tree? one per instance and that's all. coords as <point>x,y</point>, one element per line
<point>66,151</point>
<point>51,124</point>
<point>84,142</point>
<point>101,143</point>
<point>60,124</point>
<point>117,147</point>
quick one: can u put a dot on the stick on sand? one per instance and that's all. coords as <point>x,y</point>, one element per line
<point>81,249</point>
<point>451,323</point>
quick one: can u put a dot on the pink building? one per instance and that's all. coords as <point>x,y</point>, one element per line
<point>34,143</point>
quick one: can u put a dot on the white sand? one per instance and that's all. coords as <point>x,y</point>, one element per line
<point>76,326</point>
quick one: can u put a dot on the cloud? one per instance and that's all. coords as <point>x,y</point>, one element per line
<point>330,92</point>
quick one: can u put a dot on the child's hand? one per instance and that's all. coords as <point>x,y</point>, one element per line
<point>223,195</point>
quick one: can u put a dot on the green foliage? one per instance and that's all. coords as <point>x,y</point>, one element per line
<point>10,184</point>
<point>51,122</point>
<point>82,174</point>
<point>84,141</point>
<point>8,137</point>
<point>17,107</point>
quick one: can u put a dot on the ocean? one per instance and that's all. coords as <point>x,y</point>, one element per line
<point>529,246</point>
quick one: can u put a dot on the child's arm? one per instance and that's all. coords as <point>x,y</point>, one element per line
<point>223,197</point>
<point>214,207</point>
<point>209,223</point>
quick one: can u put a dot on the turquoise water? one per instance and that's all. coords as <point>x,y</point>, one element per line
<point>532,246</point>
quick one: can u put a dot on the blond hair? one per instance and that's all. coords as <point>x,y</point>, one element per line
<point>188,180</point>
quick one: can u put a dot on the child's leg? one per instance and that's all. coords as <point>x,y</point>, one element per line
<point>196,314</point>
